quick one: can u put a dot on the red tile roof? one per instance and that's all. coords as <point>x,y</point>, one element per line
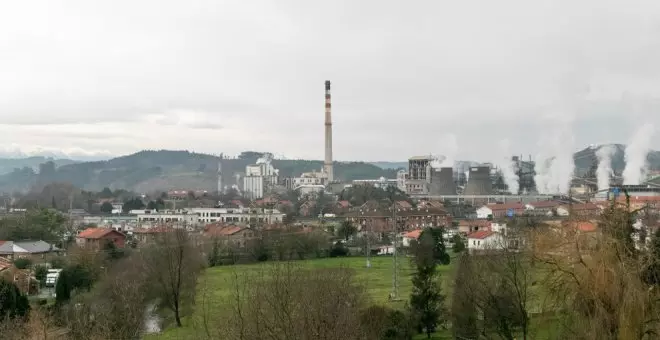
<point>477,223</point>
<point>413,234</point>
<point>544,204</point>
<point>482,234</point>
<point>344,204</point>
<point>584,206</point>
<point>95,233</point>
<point>584,226</point>
<point>215,230</point>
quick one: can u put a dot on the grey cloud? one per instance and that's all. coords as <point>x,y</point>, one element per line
<point>402,73</point>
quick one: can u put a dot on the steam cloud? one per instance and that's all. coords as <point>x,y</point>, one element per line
<point>636,151</point>
<point>554,167</point>
<point>450,146</point>
<point>604,169</point>
<point>508,167</point>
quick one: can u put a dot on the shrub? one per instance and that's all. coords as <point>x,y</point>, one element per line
<point>22,263</point>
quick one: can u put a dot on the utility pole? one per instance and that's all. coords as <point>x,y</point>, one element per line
<point>395,256</point>
<point>368,244</point>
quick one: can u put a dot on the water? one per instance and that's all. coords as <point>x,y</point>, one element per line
<point>152,321</point>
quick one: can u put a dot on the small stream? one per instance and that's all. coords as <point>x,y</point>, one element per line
<point>152,321</point>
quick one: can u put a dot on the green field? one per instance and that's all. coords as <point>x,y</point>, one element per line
<point>215,285</point>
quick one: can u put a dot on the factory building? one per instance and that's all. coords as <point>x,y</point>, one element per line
<point>419,173</point>
<point>635,191</point>
<point>442,182</point>
<point>259,178</point>
<point>479,181</point>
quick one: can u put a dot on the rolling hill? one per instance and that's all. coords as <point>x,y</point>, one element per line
<point>149,170</point>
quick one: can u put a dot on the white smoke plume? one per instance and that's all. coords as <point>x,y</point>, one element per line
<point>449,145</point>
<point>508,167</point>
<point>604,155</point>
<point>636,151</point>
<point>555,166</point>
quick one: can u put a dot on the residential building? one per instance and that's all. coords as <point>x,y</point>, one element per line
<point>499,210</point>
<point>401,178</point>
<point>579,210</point>
<point>237,215</point>
<point>307,208</point>
<point>485,240</point>
<point>98,238</point>
<point>342,207</point>
<point>408,238</point>
<point>176,217</point>
<point>376,217</point>
<point>230,234</point>
<point>149,235</point>
<point>27,249</point>
<point>310,189</point>
<point>470,226</point>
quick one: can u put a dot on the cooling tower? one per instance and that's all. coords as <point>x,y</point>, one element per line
<point>479,182</point>
<point>442,182</point>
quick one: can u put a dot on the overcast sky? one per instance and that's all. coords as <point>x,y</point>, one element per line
<point>113,77</point>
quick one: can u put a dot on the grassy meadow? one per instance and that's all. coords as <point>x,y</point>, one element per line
<point>215,286</point>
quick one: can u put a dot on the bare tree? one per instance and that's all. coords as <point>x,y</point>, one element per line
<point>114,309</point>
<point>172,264</point>
<point>288,302</point>
<point>596,278</point>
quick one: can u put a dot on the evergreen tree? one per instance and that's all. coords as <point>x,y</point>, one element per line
<point>426,300</point>
<point>463,307</point>
<point>12,302</point>
<point>651,274</point>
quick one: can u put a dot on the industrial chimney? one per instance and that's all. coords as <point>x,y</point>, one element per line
<point>327,165</point>
<point>220,188</point>
<point>479,182</point>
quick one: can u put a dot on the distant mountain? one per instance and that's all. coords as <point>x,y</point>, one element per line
<point>147,171</point>
<point>391,165</point>
<point>8,165</point>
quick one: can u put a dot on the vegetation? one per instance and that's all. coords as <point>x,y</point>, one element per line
<point>22,263</point>
<point>141,170</point>
<point>13,303</point>
<point>172,264</point>
<point>38,224</point>
<point>426,300</point>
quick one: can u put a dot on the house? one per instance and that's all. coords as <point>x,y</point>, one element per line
<point>149,235</point>
<point>403,205</point>
<point>386,250</point>
<point>342,207</point>
<point>499,210</point>
<point>230,234</point>
<point>579,209</point>
<point>410,236</point>
<point>97,238</point>
<point>469,226</point>
<point>542,208</point>
<point>485,240</point>
<point>430,204</point>
<point>307,208</point>
<point>26,249</point>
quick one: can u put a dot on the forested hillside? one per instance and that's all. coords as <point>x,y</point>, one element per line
<point>150,170</point>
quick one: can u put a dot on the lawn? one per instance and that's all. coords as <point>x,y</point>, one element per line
<point>216,283</point>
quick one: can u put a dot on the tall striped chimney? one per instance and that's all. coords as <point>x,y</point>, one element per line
<point>327,165</point>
